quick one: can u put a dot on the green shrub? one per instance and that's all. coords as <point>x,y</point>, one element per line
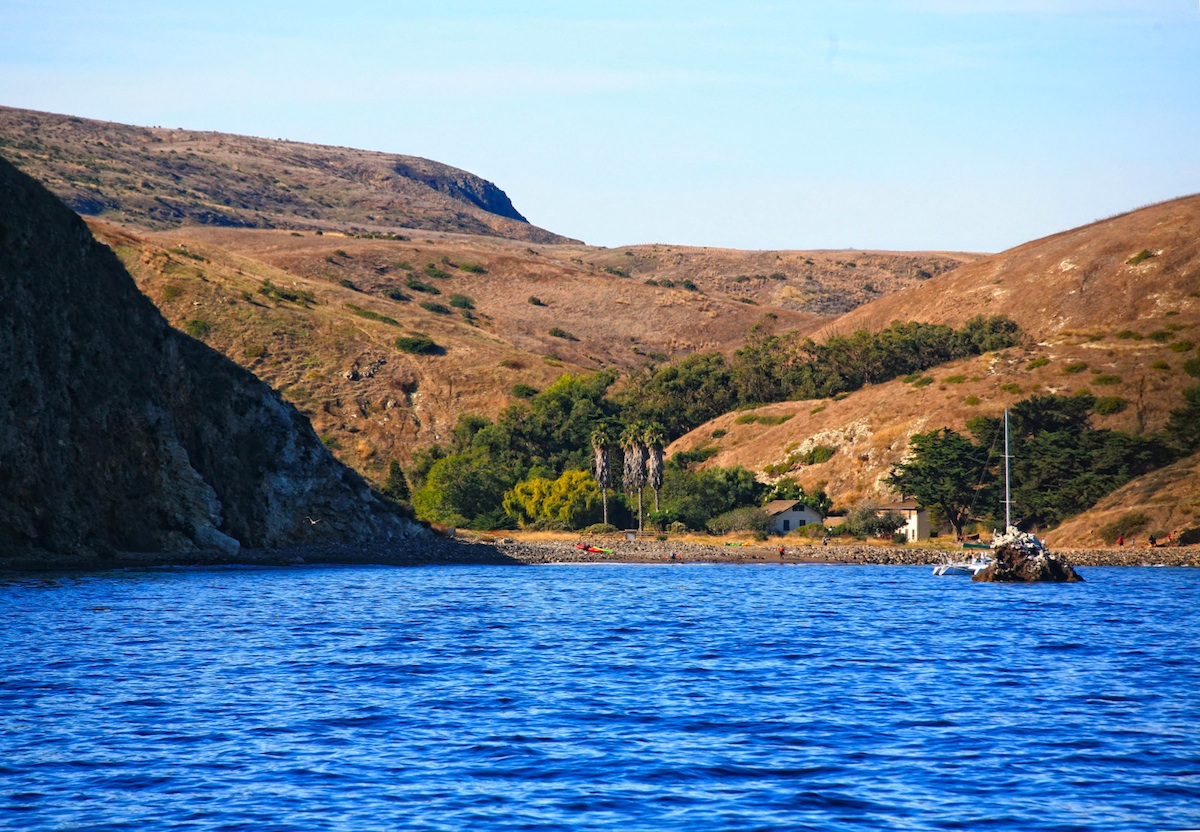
<point>1105,379</point>
<point>1160,365</point>
<point>750,301</point>
<point>746,419</point>
<point>775,420</point>
<point>1011,387</point>
<point>419,286</point>
<point>818,454</point>
<point>1129,335</point>
<point>524,391</point>
<point>473,268</point>
<point>198,328</point>
<point>601,528</point>
<point>1109,405</point>
<point>348,283</point>
<point>971,400</point>
<point>1182,346</point>
<point>1162,336</point>
<point>435,308</point>
<point>615,271</point>
<point>395,294</point>
<point>778,276</point>
<point>172,291</point>
<point>747,519</point>
<point>279,293</point>
<point>1192,367</point>
<point>462,302</point>
<point>718,433</point>
<point>1075,367</point>
<point>559,332</point>
<point>954,379</point>
<point>741,278</point>
<point>418,345</point>
<point>923,381</point>
<point>340,252</point>
<point>536,301</point>
<point>433,271</point>
<point>1037,362</point>
<point>1124,526</point>
<point>666,284</point>
<point>1141,256</point>
<point>651,282</point>
<point>690,286</point>
<point>372,316</point>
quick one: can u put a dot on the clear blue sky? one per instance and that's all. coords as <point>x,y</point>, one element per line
<point>906,124</point>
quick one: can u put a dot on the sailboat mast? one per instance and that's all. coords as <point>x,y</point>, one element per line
<point>1007,499</point>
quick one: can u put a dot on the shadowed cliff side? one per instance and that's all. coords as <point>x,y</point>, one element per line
<point>119,434</point>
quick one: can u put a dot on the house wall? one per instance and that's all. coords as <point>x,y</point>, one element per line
<point>789,521</point>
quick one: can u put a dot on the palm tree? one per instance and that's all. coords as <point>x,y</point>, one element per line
<point>602,445</point>
<point>654,441</point>
<point>633,444</point>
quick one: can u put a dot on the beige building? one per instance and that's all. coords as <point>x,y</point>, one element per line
<point>789,515</point>
<point>916,520</point>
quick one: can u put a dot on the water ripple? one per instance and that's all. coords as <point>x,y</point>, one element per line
<point>575,698</point>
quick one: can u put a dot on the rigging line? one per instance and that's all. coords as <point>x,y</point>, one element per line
<point>983,473</point>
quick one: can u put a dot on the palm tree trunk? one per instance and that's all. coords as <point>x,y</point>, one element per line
<point>604,502</point>
<point>641,526</point>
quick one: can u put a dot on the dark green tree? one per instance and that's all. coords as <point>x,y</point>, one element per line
<point>946,470</point>
<point>396,485</point>
<point>1182,432</point>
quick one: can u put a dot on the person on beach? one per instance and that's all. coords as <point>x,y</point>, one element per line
<point>781,552</point>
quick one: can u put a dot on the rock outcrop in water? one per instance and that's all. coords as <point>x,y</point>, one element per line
<point>1019,557</point>
<point>119,434</point>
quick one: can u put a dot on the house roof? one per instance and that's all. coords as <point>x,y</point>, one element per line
<point>910,505</point>
<point>780,506</point>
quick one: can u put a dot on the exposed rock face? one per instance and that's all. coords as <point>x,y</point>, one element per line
<point>120,434</point>
<point>1020,557</point>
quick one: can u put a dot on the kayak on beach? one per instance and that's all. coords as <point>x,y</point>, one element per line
<point>596,549</point>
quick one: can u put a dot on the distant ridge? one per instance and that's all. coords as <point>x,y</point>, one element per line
<point>162,178</point>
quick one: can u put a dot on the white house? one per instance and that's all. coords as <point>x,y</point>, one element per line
<point>789,515</point>
<point>916,520</point>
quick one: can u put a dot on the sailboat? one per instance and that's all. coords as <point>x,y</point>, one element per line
<point>979,561</point>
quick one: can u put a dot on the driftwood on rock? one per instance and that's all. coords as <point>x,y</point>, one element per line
<point>1019,557</point>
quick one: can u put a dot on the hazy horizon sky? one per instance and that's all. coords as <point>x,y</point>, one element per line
<point>896,124</point>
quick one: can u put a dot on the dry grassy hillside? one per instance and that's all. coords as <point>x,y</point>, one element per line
<point>336,359</point>
<point>821,282</point>
<point>1136,269</point>
<point>160,178</point>
<point>1168,498</point>
<point>615,321</point>
<point>1113,308</point>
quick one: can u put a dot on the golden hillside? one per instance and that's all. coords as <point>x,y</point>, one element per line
<point>1113,309</point>
<point>332,350</point>
<point>1134,269</point>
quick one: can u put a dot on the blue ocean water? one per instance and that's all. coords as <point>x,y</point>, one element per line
<point>598,698</point>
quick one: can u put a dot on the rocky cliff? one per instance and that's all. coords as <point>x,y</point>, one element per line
<point>120,434</point>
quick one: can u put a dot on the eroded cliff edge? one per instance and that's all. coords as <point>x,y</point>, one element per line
<point>119,434</point>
